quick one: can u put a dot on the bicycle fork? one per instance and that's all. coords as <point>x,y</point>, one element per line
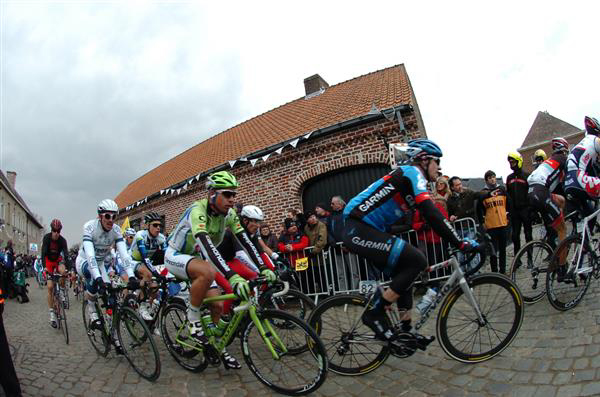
<point>265,328</point>
<point>472,301</point>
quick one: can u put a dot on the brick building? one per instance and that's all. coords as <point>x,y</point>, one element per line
<point>544,128</point>
<point>17,222</point>
<point>333,140</point>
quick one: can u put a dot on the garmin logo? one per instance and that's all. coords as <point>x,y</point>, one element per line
<point>385,190</point>
<point>371,244</point>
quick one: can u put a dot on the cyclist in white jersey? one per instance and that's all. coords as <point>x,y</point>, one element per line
<point>98,237</point>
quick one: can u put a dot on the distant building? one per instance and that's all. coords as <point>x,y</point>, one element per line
<point>17,222</point>
<point>331,141</point>
<point>544,128</point>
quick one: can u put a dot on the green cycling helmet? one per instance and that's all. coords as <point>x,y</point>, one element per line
<point>221,180</point>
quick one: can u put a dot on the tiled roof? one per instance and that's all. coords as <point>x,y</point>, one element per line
<point>344,101</point>
<point>545,127</point>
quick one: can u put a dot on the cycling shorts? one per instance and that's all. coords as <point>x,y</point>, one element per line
<point>52,266</point>
<point>83,270</point>
<point>177,264</point>
<point>541,200</point>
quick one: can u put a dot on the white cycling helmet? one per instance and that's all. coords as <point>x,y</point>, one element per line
<point>130,231</point>
<point>252,212</point>
<point>107,205</point>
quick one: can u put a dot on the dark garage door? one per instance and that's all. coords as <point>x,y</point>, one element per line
<point>347,182</point>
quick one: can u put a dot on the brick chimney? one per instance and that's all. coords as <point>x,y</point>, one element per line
<point>314,84</point>
<point>12,177</point>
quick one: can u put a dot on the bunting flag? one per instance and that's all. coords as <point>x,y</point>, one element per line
<point>374,109</point>
<point>308,135</point>
<point>278,151</point>
<point>185,186</point>
<point>178,190</point>
<point>243,159</point>
<point>125,225</point>
<point>232,163</point>
<point>294,142</point>
<point>253,161</point>
<point>266,156</point>
<point>197,177</point>
<point>162,191</point>
<point>172,191</point>
<point>190,181</point>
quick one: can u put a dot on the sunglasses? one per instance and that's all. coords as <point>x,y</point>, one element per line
<point>155,224</point>
<point>437,161</point>
<point>228,193</point>
<point>55,231</point>
<point>110,216</point>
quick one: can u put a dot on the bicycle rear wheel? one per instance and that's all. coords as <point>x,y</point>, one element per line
<point>293,374</point>
<point>569,291</point>
<point>351,346</point>
<point>529,267</point>
<point>294,302</point>
<point>61,319</point>
<point>175,335</point>
<point>137,343</point>
<point>96,332</point>
<point>462,336</point>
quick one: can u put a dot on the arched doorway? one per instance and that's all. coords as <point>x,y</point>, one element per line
<point>346,182</point>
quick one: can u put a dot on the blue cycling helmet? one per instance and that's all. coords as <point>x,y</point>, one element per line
<point>420,149</point>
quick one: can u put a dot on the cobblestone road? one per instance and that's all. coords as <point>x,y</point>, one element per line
<point>555,354</point>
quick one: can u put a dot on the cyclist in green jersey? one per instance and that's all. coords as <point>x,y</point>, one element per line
<point>192,254</point>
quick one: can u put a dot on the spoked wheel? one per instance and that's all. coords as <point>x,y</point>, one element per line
<point>175,335</point>
<point>96,331</point>
<point>294,302</point>
<point>351,346</point>
<point>61,320</point>
<point>138,345</point>
<point>66,301</point>
<point>466,338</point>
<point>529,269</point>
<point>288,373</point>
<point>565,291</point>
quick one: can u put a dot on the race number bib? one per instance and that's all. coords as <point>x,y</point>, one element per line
<point>301,264</point>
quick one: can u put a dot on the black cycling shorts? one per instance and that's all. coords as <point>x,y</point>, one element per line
<point>541,200</point>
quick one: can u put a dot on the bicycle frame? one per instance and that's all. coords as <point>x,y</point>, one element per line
<point>240,313</point>
<point>585,233</point>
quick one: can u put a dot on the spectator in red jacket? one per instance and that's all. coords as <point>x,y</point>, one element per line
<point>292,241</point>
<point>429,240</point>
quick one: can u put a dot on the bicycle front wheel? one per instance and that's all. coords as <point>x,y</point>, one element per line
<point>351,346</point>
<point>292,374</point>
<point>529,267</point>
<point>177,338</point>
<point>565,291</point>
<point>96,331</point>
<point>463,336</point>
<point>138,345</point>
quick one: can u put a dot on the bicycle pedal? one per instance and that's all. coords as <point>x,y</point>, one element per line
<point>212,356</point>
<point>423,341</point>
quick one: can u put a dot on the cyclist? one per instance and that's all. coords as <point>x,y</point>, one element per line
<point>53,245</point>
<point>544,184</point>
<point>148,243</point>
<point>38,269</point>
<point>129,235</point>
<point>369,215</point>
<point>98,237</point>
<point>581,182</point>
<point>192,254</point>
<point>538,158</point>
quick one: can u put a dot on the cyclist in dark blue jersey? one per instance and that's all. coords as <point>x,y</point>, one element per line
<point>369,215</point>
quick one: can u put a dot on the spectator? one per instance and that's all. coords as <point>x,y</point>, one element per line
<point>316,232</point>
<point>429,241</point>
<point>461,203</point>
<point>492,214</point>
<point>268,236</point>
<point>442,190</point>
<point>9,265</point>
<point>297,217</point>
<point>518,200</point>
<point>292,241</point>
<point>346,264</point>
<point>322,212</point>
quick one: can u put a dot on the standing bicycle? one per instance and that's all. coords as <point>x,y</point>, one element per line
<point>479,317</point>
<point>53,246</point>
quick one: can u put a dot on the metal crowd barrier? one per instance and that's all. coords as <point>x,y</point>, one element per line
<point>336,270</point>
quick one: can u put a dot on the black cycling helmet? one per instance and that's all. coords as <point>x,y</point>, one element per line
<point>151,216</point>
<point>592,126</point>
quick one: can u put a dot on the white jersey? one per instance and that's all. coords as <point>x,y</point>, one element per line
<point>97,245</point>
<point>583,154</point>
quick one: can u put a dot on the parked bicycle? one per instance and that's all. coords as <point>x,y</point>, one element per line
<point>58,294</point>
<point>120,326</point>
<point>281,350</point>
<point>480,316</point>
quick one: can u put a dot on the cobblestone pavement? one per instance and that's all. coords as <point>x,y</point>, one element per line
<point>555,354</point>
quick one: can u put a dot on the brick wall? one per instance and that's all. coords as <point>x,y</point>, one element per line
<point>277,184</point>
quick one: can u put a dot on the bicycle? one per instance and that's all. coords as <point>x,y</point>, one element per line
<point>480,316</point>
<point>531,263</point>
<point>58,305</point>
<point>120,326</point>
<point>78,288</point>
<point>568,283</point>
<point>290,360</point>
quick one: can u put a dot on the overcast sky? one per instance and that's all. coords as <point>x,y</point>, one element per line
<point>95,94</point>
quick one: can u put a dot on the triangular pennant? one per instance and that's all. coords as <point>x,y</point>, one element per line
<point>162,191</point>
<point>294,142</point>
<point>232,163</point>
<point>185,186</point>
<point>308,135</point>
<point>190,181</point>
<point>266,156</point>
<point>145,199</point>
<point>178,190</point>
<point>374,109</point>
<point>197,177</point>
<point>253,161</point>
<point>243,159</point>
<point>278,151</point>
